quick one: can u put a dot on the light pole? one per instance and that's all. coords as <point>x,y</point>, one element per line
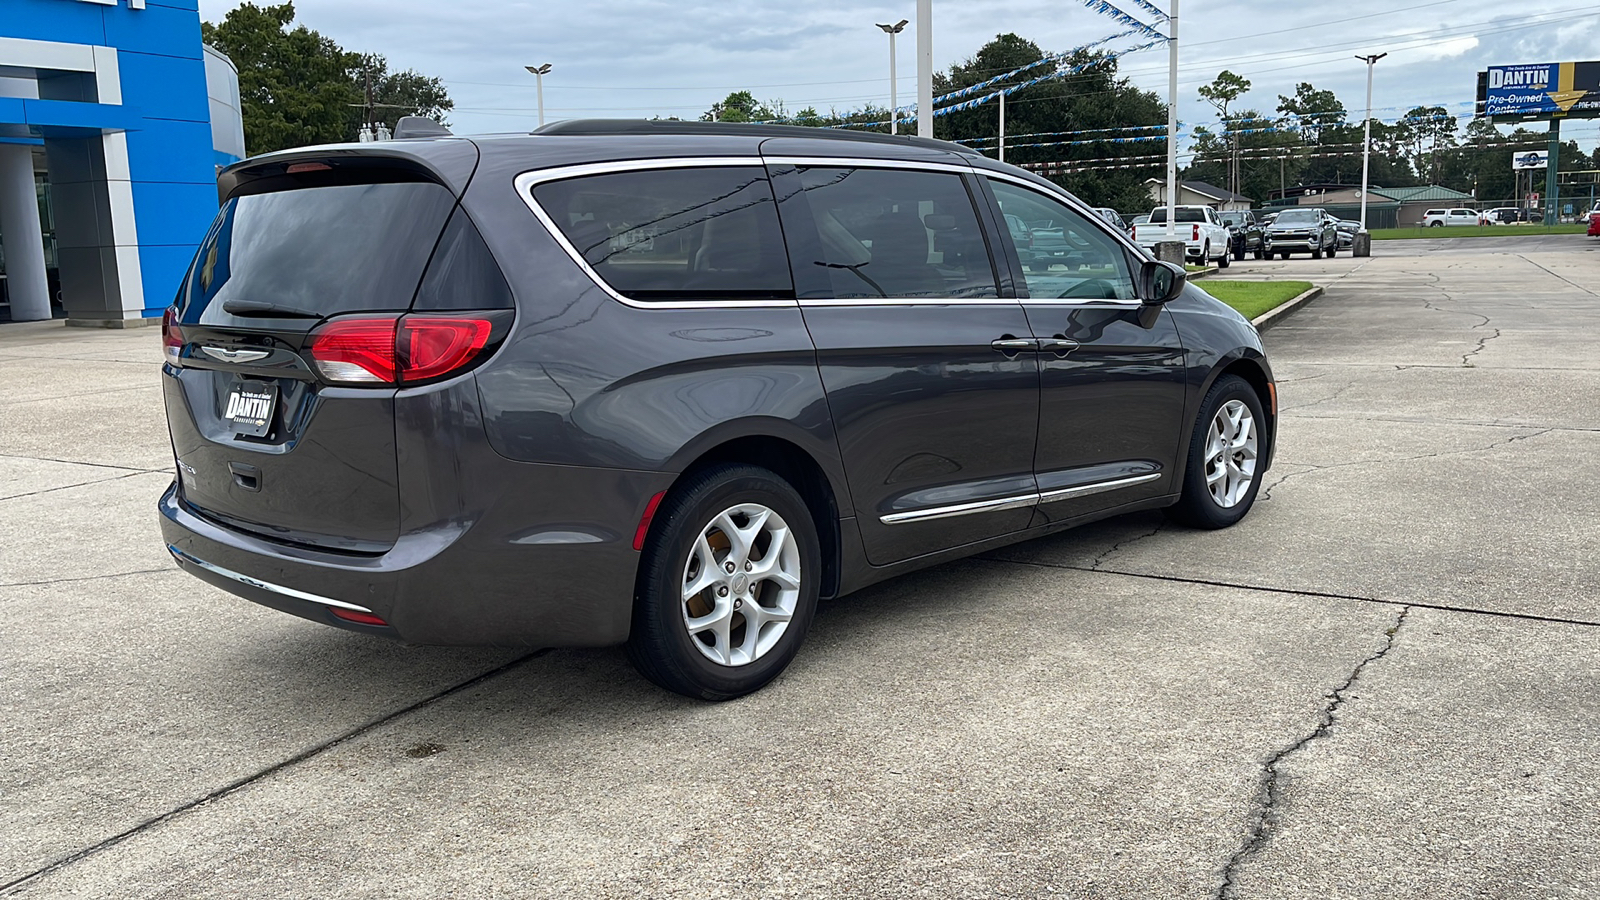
<point>1172,123</point>
<point>1366,140</point>
<point>925,68</point>
<point>538,73</point>
<point>894,100</point>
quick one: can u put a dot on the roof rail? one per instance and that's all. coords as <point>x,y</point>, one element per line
<point>673,126</point>
<point>417,127</point>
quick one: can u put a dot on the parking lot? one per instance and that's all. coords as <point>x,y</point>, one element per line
<point>1382,683</point>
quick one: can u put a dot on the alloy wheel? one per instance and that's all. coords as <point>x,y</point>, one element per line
<point>741,583</point>
<point>1231,454</point>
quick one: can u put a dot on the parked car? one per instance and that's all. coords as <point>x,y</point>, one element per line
<point>1505,215</point>
<point>1245,232</point>
<point>666,384</point>
<point>1435,218</point>
<point>1204,236</point>
<point>1303,229</point>
<point>1347,230</point>
<point>1594,221</point>
<point>1112,217</point>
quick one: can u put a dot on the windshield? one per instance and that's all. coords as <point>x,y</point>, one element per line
<point>1232,219</point>
<point>1298,217</point>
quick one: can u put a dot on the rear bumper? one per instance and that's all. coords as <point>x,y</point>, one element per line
<point>549,563</point>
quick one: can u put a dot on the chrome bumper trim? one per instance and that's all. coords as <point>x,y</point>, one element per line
<point>183,557</point>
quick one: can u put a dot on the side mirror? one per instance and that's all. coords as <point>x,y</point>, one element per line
<point>1160,282</point>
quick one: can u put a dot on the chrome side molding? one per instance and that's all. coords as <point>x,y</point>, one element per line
<point>1021,500</point>
<point>183,557</point>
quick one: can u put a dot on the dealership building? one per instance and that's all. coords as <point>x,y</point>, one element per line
<point>114,119</point>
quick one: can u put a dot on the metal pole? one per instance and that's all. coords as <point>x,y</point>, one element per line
<point>1172,124</point>
<point>925,68</point>
<point>1552,187</point>
<point>1002,126</point>
<point>539,76</point>
<point>1366,140</point>
<point>894,101</point>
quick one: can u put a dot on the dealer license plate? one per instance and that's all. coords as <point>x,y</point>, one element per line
<point>250,407</point>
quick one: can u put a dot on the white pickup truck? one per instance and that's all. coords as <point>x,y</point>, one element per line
<point>1204,236</point>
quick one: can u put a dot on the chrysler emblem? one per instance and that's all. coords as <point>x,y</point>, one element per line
<point>234,356</point>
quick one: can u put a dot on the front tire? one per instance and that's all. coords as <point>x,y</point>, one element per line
<point>1331,249</point>
<point>1222,477</point>
<point>1283,254</point>
<point>1260,253</point>
<point>1224,260</point>
<point>728,584</point>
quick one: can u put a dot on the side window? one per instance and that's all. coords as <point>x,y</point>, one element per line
<point>885,233</point>
<point>1064,255</point>
<point>675,234</point>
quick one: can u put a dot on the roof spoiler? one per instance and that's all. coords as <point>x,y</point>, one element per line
<point>418,127</point>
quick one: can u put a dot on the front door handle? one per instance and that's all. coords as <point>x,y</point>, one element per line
<point>1011,346</point>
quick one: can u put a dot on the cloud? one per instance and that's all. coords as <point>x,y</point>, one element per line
<point>655,57</point>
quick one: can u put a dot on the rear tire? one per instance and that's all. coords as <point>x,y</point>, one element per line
<point>692,619</point>
<point>1222,477</point>
<point>1260,253</point>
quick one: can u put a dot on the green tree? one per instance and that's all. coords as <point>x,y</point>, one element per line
<point>739,106</point>
<point>298,87</point>
<point>1095,105</point>
<point>1220,93</point>
<point>398,94</point>
<point>1428,131</point>
<point>1313,112</point>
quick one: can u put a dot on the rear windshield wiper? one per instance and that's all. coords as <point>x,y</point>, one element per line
<point>265,310</point>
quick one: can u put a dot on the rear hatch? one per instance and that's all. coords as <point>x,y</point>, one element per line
<point>280,391</point>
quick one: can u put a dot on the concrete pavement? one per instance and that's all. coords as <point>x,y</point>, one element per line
<point>1381,683</point>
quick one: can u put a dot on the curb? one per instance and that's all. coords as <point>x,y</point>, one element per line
<point>1282,311</point>
<point>1208,270</point>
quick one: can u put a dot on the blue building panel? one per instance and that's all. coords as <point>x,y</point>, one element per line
<point>161,269</point>
<point>164,117</point>
<point>157,30</point>
<point>172,152</point>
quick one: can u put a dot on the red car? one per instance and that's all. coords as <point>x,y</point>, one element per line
<point>1594,222</point>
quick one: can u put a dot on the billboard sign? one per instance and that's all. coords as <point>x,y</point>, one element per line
<point>1530,159</point>
<point>1541,91</point>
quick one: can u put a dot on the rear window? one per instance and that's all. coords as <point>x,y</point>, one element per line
<point>324,250</point>
<point>675,234</point>
<point>1159,217</point>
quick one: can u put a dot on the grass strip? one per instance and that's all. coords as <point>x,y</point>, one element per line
<point>1455,231</point>
<point>1252,298</point>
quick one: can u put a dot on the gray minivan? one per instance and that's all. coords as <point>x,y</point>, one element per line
<point>667,384</point>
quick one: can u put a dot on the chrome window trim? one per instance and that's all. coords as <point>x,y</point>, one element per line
<point>526,182</point>
<point>182,557</point>
<point>1021,500</point>
<point>857,162</point>
<point>1098,487</point>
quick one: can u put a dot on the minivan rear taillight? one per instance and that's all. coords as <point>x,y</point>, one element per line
<point>393,349</point>
<point>171,336</point>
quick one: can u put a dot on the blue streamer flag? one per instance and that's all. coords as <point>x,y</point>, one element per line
<point>1106,9</point>
<point>1152,9</point>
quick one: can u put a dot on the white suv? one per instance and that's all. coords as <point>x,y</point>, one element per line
<point>1434,218</point>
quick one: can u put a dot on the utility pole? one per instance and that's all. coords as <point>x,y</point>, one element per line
<point>1172,124</point>
<point>539,72</point>
<point>1551,187</point>
<point>1366,141</point>
<point>894,100</point>
<point>1002,125</point>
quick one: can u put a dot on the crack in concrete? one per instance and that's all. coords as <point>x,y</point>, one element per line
<point>48,581</point>
<point>1554,275</point>
<point>1466,358</point>
<point>11,887</point>
<point>1269,796</point>
<point>1266,493</point>
<point>66,487</point>
<point>1328,399</point>
<point>77,462</point>
<point>1127,542</point>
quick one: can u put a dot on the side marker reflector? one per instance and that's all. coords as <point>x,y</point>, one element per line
<point>359,618</point>
<point>644,520</point>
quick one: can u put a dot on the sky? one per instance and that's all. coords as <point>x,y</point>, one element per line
<point>641,58</point>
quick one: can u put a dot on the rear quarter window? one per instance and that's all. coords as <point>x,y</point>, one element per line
<point>675,234</point>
